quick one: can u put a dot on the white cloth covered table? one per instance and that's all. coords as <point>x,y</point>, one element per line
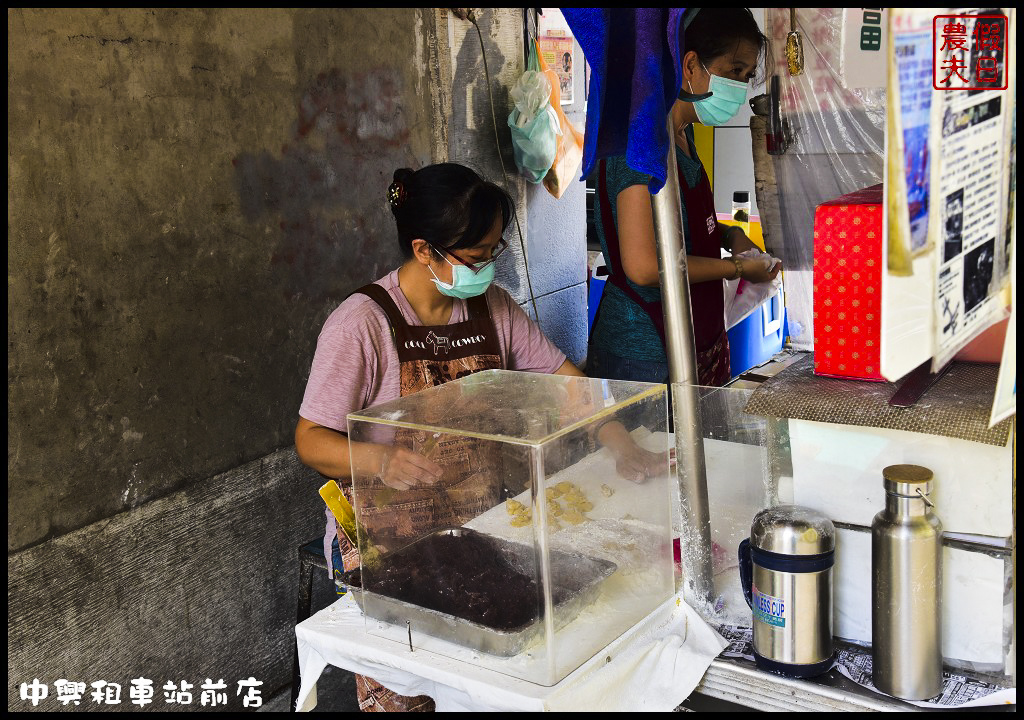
<point>652,667</point>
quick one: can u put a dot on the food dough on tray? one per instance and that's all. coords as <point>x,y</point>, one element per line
<point>576,504</point>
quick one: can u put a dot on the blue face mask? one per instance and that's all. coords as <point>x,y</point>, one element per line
<point>465,283</point>
<point>726,98</point>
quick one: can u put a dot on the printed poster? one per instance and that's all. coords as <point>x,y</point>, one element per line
<point>1005,403</point>
<point>969,184</point>
<point>908,118</point>
<point>556,49</point>
<point>913,51</point>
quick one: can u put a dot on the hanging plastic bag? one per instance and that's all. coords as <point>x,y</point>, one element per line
<point>533,122</point>
<point>569,153</point>
<point>743,297</point>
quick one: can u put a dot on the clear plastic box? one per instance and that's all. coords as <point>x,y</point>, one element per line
<point>531,552</point>
<point>747,460</point>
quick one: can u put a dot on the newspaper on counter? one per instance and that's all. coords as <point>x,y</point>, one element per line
<point>958,691</point>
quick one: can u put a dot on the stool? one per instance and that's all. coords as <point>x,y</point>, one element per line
<point>311,555</point>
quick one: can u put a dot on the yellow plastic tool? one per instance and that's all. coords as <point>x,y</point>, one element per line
<point>342,509</point>
<point>346,516</point>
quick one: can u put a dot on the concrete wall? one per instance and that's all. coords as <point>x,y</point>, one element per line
<point>191,192</point>
<point>553,231</point>
<point>558,242</point>
<point>188,189</point>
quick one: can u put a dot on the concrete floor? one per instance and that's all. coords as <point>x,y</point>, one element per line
<point>335,692</point>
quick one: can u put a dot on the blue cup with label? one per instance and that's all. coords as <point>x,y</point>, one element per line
<point>786,573</point>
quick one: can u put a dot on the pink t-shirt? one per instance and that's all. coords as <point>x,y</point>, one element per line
<point>356,362</point>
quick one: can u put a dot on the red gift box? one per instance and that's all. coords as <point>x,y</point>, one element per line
<point>848,285</point>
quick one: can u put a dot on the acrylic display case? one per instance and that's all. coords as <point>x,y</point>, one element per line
<point>747,458</point>
<point>502,529</point>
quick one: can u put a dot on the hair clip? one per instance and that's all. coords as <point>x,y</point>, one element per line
<point>396,194</point>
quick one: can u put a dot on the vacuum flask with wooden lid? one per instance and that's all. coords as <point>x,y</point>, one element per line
<point>906,587</point>
<point>786,572</point>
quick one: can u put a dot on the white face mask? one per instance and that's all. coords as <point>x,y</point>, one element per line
<point>465,283</point>
<point>727,96</point>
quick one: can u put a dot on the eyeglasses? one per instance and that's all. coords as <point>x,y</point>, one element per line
<point>477,266</point>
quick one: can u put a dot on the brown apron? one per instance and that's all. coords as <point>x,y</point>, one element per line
<point>429,356</point>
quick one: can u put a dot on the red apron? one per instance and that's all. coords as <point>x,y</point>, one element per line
<point>429,356</point>
<point>707,300</point>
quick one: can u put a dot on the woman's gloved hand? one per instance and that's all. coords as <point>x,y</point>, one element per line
<point>759,267</point>
<point>402,469</point>
<point>632,462</point>
<point>636,464</point>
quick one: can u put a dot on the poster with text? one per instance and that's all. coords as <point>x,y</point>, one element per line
<point>969,190</point>
<point>913,54</point>
<point>556,48</point>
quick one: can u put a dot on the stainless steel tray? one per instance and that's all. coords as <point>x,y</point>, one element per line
<point>587,574</point>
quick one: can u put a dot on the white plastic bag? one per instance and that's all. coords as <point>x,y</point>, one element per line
<point>533,122</point>
<point>530,94</point>
<point>743,297</point>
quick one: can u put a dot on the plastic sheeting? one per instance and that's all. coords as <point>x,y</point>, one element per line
<point>834,144</point>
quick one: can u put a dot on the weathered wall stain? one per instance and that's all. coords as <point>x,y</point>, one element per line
<point>347,124</point>
<point>361,106</point>
<point>175,242</point>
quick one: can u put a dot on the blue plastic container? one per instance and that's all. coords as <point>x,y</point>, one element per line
<point>760,335</point>
<point>594,291</point>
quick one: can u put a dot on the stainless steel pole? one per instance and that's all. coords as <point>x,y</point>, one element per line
<point>682,359</point>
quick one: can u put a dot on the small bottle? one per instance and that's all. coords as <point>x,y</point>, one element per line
<point>906,587</point>
<point>741,210</point>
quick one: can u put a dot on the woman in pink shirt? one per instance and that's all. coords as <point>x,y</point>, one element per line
<point>436,318</point>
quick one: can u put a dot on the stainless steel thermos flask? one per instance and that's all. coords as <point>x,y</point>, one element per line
<point>786,573</point>
<point>906,587</point>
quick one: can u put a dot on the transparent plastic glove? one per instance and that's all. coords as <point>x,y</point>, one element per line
<point>634,463</point>
<point>402,469</point>
<point>760,281</point>
<point>770,263</point>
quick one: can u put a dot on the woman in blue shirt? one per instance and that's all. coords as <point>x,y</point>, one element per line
<point>723,47</point>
